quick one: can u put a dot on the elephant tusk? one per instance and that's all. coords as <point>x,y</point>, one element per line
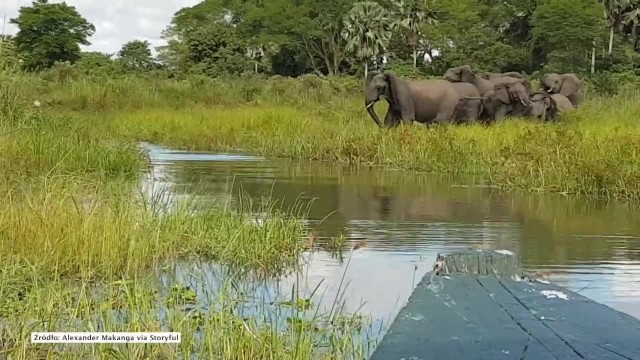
<point>370,104</point>
<point>524,103</point>
<point>550,90</point>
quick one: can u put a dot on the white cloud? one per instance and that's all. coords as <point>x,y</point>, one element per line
<point>116,21</point>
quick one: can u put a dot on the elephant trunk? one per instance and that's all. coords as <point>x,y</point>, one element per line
<point>372,111</point>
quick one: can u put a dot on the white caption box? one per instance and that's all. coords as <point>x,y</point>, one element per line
<point>106,337</point>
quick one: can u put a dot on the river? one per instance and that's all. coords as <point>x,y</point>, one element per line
<point>590,247</point>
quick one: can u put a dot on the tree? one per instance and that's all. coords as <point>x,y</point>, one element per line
<point>367,29</point>
<point>411,15</point>
<point>464,35</point>
<point>95,63</point>
<point>567,30</point>
<point>49,33</point>
<point>136,56</point>
<point>631,18</point>
<point>319,33</point>
<point>216,50</point>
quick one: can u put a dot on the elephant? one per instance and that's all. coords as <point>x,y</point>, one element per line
<point>467,110</point>
<point>465,74</point>
<point>505,92</point>
<point>509,97</point>
<point>491,76</point>
<point>548,107</point>
<point>568,85</point>
<point>424,101</point>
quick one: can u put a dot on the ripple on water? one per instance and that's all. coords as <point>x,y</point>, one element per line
<point>406,221</point>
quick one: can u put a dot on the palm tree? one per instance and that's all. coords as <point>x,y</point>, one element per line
<point>412,15</point>
<point>632,17</point>
<point>367,30</point>
<point>620,12</point>
<point>613,12</point>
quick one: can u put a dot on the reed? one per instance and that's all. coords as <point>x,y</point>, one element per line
<point>593,152</point>
<point>85,248</point>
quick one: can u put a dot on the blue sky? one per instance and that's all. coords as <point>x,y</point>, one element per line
<point>116,21</point>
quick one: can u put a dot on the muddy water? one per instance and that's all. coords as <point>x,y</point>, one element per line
<point>589,247</point>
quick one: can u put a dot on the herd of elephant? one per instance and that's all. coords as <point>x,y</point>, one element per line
<point>463,97</point>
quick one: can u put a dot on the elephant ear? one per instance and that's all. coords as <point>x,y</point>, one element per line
<point>466,75</point>
<point>527,84</point>
<point>502,94</point>
<point>400,96</point>
<point>570,84</point>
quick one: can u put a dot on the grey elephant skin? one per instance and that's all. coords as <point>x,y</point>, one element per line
<point>568,85</point>
<point>548,107</point>
<point>465,74</point>
<point>491,76</point>
<point>424,101</point>
<point>470,104</point>
<point>502,95</point>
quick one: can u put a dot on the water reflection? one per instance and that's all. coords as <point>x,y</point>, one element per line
<point>589,247</point>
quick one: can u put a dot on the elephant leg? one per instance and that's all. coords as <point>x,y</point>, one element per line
<point>444,117</point>
<point>500,113</point>
<point>406,121</point>
<point>388,119</point>
<point>466,115</point>
<point>447,112</point>
<point>575,99</point>
<point>391,119</point>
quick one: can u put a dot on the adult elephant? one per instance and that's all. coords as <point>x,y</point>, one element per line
<point>491,76</point>
<point>424,101</point>
<point>568,85</point>
<point>548,107</point>
<point>465,74</point>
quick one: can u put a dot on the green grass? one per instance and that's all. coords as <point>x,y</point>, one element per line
<point>594,152</point>
<point>76,252</point>
<point>84,250</point>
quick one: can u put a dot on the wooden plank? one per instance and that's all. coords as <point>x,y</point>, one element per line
<point>500,263</point>
<point>457,321</point>
<point>480,312</point>
<point>539,333</point>
<point>594,330</point>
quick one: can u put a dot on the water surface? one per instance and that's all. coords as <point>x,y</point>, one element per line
<point>592,248</point>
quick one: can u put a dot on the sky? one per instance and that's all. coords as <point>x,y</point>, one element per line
<point>116,21</point>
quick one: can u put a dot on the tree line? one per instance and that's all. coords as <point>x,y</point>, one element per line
<point>337,37</point>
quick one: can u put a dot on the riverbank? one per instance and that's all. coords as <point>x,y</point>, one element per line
<point>593,152</point>
<point>71,163</point>
<point>84,250</point>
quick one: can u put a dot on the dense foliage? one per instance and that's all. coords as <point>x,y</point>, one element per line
<point>50,33</point>
<point>334,37</point>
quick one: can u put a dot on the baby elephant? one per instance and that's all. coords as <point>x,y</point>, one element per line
<point>548,107</point>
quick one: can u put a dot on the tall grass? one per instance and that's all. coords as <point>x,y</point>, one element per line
<point>594,152</point>
<point>74,254</point>
<point>84,250</point>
